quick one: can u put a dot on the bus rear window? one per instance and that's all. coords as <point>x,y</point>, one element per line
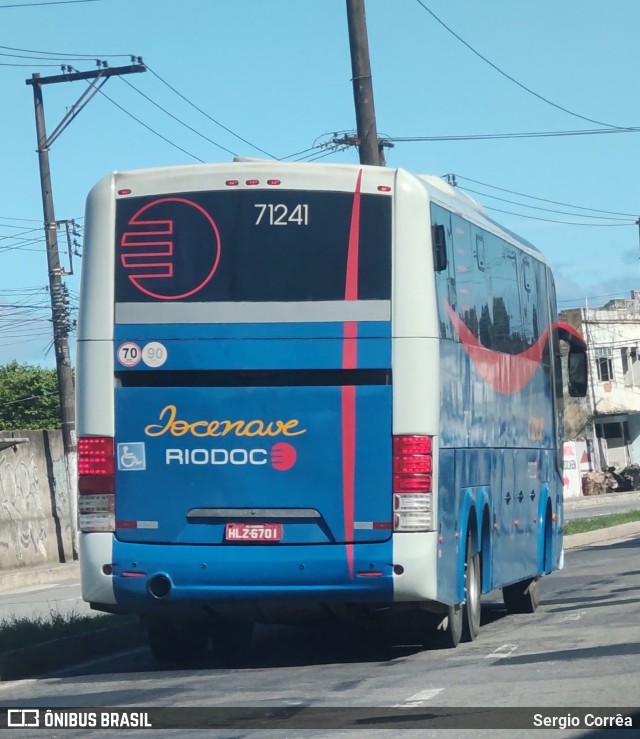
<point>250,245</point>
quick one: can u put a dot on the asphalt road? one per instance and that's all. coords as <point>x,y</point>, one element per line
<point>578,651</point>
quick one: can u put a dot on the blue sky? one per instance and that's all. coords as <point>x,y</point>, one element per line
<point>277,73</point>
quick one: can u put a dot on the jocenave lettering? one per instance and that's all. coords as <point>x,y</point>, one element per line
<point>171,424</point>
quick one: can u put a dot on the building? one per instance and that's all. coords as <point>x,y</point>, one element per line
<point>609,417</point>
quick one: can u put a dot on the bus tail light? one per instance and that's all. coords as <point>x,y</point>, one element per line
<point>96,483</point>
<point>412,483</point>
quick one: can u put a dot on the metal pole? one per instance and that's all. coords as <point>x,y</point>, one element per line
<point>362,84</point>
<point>57,293</point>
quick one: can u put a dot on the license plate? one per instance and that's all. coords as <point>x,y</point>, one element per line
<point>253,532</point>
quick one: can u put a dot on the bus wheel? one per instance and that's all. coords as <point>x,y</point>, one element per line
<point>177,641</point>
<point>522,597</point>
<point>229,639</point>
<point>471,620</point>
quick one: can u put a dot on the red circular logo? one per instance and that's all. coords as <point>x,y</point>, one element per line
<point>170,248</point>
<point>283,456</point>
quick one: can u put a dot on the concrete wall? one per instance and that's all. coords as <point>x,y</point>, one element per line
<point>37,500</point>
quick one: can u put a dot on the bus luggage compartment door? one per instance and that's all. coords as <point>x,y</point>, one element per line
<point>236,465</point>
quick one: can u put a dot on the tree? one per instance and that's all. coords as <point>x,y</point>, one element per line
<point>28,397</point>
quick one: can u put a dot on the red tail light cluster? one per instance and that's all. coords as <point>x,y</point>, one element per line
<point>412,480</point>
<point>96,483</point>
<point>95,455</point>
<point>412,464</point>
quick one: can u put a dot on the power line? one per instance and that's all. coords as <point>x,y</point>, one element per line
<point>508,76</point>
<point>544,200</point>
<point>204,113</point>
<point>30,397</point>
<point>321,156</point>
<point>50,55</point>
<point>32,220</point>
<point>566,223</point>
<point>153,131</point>
<point>7,64</point>
<point>298,153</point>
<point>21,233</point>
<point>175,118</point>
<point>45,58</point>
<point>550,210</point>
<point>515,135</point>
<point>50,2</point>
<point>64,55</point>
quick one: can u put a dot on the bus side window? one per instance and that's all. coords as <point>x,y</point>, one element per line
<point>439,241</point>
<point>443,264</point>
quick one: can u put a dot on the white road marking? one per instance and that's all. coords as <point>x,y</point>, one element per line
<point>501,652</point>
<point>419,699</point>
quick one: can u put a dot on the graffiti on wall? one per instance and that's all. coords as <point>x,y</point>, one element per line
<point>23,522</point>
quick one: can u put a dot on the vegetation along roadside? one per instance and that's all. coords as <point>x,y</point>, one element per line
<point>583,525</point>
<point>20,632</point>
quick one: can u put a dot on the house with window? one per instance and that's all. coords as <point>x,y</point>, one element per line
<point>609,417</point>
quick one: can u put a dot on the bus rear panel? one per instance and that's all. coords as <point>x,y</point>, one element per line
<point>311,390</point>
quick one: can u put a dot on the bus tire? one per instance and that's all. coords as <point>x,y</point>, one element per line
<point>523,596</point>
<point>176,641</point>
<point>472,587</point>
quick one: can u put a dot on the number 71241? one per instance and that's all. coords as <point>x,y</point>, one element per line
<point>279,214</point>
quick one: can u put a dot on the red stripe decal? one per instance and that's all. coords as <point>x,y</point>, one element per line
<point>350,361</point>
<point>508,373</point>
<point>348,466</point>
<point>351,290</point>
<point>350,345</point>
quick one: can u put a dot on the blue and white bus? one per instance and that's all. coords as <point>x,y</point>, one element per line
<point>309,389</point>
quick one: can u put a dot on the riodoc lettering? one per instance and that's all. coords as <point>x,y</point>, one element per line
<point>282,456</point>
<point>171,424</point>
<point>217,456</point>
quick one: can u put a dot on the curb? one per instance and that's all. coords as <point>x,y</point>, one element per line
<point>588,501</point>
<point>27,576</point>
<point>51,656</point>
<point>602,535</point>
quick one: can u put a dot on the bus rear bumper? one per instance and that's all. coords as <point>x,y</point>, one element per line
<point>144,576</point>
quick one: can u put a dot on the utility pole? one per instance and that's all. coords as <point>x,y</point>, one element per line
<point>369,149</point>
<point>58,293</point>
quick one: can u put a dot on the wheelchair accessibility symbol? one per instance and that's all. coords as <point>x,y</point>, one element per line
<point>131,456</point>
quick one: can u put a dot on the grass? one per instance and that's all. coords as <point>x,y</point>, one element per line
<point>17,632</point>
<point>582,525</point>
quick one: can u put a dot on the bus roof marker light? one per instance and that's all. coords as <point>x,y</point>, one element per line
<point>273,182</point>
<point>252,182</point>
<point>124,191</point>
<point>384,188</point>
<point>232,183</point>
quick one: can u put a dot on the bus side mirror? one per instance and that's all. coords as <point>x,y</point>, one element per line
<point>577,364</point>
<point>439,242</point>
